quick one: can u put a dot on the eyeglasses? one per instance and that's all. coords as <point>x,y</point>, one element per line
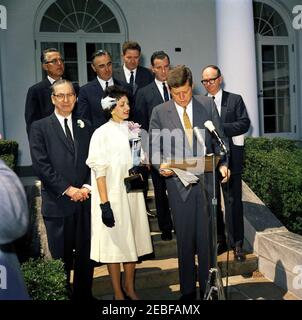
<point>62,96</point>
<point>209,81</point>
<point>55,61</point>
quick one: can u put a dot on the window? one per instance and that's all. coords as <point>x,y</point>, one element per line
<point>274,59</point>
<point>72,16</point>
<point>77,28</point>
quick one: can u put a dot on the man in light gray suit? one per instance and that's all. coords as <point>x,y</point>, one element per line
<point>189,205</point>
<point>14,222</point>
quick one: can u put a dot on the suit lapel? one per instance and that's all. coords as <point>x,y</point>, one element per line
<point>174,117</point>
<point>156,93</point>
<point>76,135</point>
<point>60,132</point>
<point>224,101</point>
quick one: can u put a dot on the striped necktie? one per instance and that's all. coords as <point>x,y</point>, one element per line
<point>188,127</point>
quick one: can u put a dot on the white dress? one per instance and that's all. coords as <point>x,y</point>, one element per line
<point>110,156</point>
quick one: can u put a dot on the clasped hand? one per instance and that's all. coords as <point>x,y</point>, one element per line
<point>78,194</point>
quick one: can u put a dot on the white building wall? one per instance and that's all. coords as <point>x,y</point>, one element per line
<point>155,24</point>
<point>18,70</point>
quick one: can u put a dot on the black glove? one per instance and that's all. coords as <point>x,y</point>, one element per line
<point>107,214</point>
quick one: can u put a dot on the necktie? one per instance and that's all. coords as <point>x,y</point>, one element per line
<point>188,127</point>
<point>68,134</point>
<point>213,97</point>
<point>131,81</point>
<point>107,84</point>
<point>166,94</point>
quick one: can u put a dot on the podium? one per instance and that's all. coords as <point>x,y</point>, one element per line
<point>214,287</point>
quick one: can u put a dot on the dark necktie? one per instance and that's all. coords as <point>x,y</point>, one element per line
<point>166,93</point>
<point>106,84</point>
<point>68,134</point>
<point>131,81</point>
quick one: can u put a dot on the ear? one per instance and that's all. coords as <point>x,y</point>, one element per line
<point>93,67</point>
<point>52,99</point>
<point>44,66</point>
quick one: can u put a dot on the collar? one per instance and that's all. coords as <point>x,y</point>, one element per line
<point>103,82</point>
<point>128,72</point>
<point>61,118</point>
<point>51,80</point>
<point>218,95</point>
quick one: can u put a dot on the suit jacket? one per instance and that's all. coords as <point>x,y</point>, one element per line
<point>56,165</point>
<point>89,101</point>
<point>143,77</point>
<point>235,121</point>
<point>165,116</point>
<point>38,103</point>
<point>146,99</point>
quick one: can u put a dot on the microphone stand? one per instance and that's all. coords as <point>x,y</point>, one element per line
<point>214,287</point>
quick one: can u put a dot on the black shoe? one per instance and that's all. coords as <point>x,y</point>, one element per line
<point>239,255</point>
<point>188,297</point>
<point>221,247</point>
<point>166,235</point>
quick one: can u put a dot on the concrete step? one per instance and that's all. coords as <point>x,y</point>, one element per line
<point>161,273</point>
<point>256,287</point>
<point>163,249</point>
<point>153,224</point>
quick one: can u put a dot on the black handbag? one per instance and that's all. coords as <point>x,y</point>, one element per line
<point>137,180</point>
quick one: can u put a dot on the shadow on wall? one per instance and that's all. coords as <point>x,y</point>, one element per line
<point>280,276</point>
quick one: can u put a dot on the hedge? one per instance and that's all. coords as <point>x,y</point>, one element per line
<point>273,170</point>
<point>45,279</point>
<point>9,152</point>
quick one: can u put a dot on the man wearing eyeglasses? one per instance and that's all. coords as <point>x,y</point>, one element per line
<point>38,102</point>
<point>235,122</point>
<point>89,102</point>
<point>59,148</point>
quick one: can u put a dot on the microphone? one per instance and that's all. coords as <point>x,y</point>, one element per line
<point>209,125</point>
<point>198,136</point>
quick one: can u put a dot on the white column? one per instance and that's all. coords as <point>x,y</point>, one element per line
<point>236,55</point>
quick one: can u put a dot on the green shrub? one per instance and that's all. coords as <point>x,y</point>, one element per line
<point>45,279</point>
<point>9,152</point>
<point>273,171</point>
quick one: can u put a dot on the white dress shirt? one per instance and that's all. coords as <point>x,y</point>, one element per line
<point>69,122</point>
<point>127,73</point>
<point>161,88</point>
<point>217,100</point>
<point>103,83</point>
<point>189,110</point>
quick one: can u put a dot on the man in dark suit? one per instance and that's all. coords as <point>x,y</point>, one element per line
<point>131,72</point>
<point>89,101</point>
<point>59,149</point>
<point>38,100</point>
<point>155,93</point>
<point>236,122</point>
<point>189,205</point>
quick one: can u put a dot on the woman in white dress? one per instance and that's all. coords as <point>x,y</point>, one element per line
<point>119,225</point>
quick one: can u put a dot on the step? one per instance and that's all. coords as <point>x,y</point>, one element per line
<point>256,287</point>
<point>164,248</point>
<point>164,273</point>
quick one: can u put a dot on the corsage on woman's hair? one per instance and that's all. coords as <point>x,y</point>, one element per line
<point>108,103</point>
